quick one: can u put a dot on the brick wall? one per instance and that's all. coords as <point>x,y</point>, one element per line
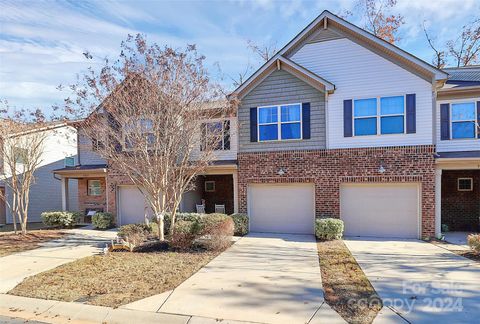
<point>223,193</point>
<point>85,201</point>
<point>460,209</point>
<point>327,169</point>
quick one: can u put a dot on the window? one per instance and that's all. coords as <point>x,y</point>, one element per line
<point>283,122</point>
<point>69,161</point>
<point>463,120</point>
<point>138,132</point>
<point>209,186</point>
<point>365,115</point>
<point>97,145</point>
<point>379,116</point>
<point>214,130</point>
<point>465,184</point>
<point>94,188</point>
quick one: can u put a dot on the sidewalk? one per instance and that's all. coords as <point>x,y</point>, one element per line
<point>80,243</point>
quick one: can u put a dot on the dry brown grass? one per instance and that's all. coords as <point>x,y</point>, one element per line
<point>347,289</point>
<point>115,279</point>
<point>12,243</point>
<point>469,254</point>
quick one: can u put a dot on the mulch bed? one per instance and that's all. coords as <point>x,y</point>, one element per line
<point>448,246</point>
<point>347,289</point>
<point>12,243</point>
<point>117,278</point>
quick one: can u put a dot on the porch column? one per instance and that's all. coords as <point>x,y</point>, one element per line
<point>438,202</point>
<point>64,194</point>
<point>235,191</point>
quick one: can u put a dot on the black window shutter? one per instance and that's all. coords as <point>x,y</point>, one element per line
<point>347,118</point>
<point>306,120</point>
<point>478,119</point>
<point>253,124</point>
<point>445,122</point>
<point>226,135</point>
<point>411,114</point>
<point>203,132</point>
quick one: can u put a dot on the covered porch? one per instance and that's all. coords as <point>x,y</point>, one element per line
<point>218,186</point>
<point>458,194</point>
<point>92,193</point>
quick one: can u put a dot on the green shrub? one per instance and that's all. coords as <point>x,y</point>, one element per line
<point>218,231</point>
<point>103,220</point>
<point>135,233</point>
<point>60,218</point>
<point>445,228</point>
<point>474,242</point>
<point>328,228</point>
<point>240,222</point>
<point>178,217</point>
<point>185,234</point>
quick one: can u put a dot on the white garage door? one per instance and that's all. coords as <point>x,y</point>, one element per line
<point>132,205</point>
<point>281,208</point>
<point>380,210</point>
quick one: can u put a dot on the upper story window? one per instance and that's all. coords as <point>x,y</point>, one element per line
<point>463,121</point>
<point>94,188</point>
<point>141,129</point>
<point>282,122</point>
<point>378,116</point>
<point>219,132</point>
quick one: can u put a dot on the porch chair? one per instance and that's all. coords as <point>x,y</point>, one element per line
<point>200,209</point>
<point>219,209</point>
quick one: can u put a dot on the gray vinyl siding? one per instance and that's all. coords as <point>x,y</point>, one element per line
<point>281,87</point>
<point>87,155</point>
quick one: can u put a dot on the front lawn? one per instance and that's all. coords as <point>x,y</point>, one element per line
<point>347,289</point>
<point>115,279</point>
<point>12,243</point>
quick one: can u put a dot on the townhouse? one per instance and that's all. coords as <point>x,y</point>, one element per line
<point>339,123</point>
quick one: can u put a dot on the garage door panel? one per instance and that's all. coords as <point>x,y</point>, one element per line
<point>279,208</point>
<point>382,210</point>
<point>132,204</point>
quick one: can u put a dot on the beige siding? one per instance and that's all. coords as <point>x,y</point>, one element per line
<point>280,87</point>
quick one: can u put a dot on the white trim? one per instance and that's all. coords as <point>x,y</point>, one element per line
<point>471,184</point>
<point>279,122</point>
<point>209,182</point>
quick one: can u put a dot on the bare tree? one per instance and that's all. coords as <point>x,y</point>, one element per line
<point>265,51</point>
<point>439,59</point>
<point>21,151</point>
<point>378,21</point>
<point>466,47</point>
<point>150,109</point>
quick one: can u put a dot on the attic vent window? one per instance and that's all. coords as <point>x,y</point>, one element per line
<point>465,184</point>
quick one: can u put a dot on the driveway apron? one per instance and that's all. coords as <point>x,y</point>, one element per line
<point>268,278</point>
<point>421,282</point>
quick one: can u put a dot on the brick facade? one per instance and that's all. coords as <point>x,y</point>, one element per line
<point>223,193</point>
<point>327,169</point>
<point>460,209</point>
<point>91,202</point>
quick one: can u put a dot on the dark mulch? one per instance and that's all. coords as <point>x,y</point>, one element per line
<point>347,290</point>
<point>450,247</point>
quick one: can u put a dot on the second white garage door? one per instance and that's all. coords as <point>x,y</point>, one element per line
<point>380,210</point>
<point>132,205</point>
<point>281,208</point>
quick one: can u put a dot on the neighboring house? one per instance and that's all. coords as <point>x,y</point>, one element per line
<point>59,149</point>
<point>339,123</point>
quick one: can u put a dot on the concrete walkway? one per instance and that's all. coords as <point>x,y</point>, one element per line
<point>262,278</point>
<point>80,242</point>
<point>419,282</point>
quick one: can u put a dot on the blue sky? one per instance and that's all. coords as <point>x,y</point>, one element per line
<point>41,42</point>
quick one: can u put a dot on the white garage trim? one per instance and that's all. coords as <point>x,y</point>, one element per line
<point>397,204</point>
<point>282,207</point>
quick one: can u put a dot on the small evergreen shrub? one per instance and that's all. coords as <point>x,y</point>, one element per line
<point>240,222</point>
<point>60,218</point>
<point>474,242</point>
<point>103,220</point>
<point>329,228</point>
<point>218,231</point>
<point>184,235</point>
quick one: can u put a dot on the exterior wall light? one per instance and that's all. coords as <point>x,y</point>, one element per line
<point>281,172</point>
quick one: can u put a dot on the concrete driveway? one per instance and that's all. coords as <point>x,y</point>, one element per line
<point>261,278</point>
<point>419,282</point>
<point>79,243</point>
